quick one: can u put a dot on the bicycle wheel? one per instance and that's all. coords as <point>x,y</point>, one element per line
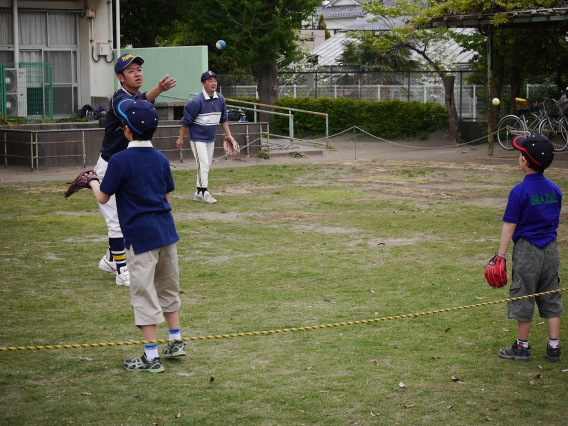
<point>533,121</point>
<point>556,131</point>
<point>509,128</point>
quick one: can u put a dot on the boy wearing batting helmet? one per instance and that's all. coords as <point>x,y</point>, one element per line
<point>141,179</point>
<point>531,221</point>
<point>128,70</point>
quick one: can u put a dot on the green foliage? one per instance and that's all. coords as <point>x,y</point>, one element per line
<point>362,53</point>
<point>323,26</point>
<point>388,119</point>
<point>12,120</point>
<point>144,22</point>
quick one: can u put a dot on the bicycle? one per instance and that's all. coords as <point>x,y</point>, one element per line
<point>555,125</point>
<point>523,124</point>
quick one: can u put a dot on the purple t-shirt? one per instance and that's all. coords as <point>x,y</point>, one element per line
<point>534,206</point>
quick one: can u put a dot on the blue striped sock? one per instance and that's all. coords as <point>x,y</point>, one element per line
<point>175,334</point>
<point>151,350</point>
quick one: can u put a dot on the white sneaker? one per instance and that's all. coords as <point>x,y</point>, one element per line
<point>123,278</point>
<point>208,198</point>
<point>107,265</point>
<point>197,197</point>
<point>110,266</point>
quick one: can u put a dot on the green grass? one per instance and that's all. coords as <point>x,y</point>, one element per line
<point>285,247</point>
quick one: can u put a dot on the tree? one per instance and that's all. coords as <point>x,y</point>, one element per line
<point>258,33</point>
<point>404,19</point>
<point>323,26</point>
<point>143,22</point>
<point>361,54</point>
<point>521,55</point>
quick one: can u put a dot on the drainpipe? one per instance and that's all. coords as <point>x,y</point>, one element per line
<point>16,35</point>
<point>117,29</point>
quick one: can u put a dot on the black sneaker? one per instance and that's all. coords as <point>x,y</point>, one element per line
<point>174,349</point>
<point>516,352</point>
<point>553,354</point>
<point>142,363</point>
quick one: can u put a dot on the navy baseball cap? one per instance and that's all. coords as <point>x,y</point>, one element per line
<point>207,74</point>
<point>138,114</point>
<point>126,60</point>
<point>537,149</point>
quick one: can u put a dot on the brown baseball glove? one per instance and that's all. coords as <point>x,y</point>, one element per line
<point>496,271</point>
<point>231,146</point>
<point>82,181</point>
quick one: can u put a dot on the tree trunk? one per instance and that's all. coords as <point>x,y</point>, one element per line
<point>267,87</point>
<point>454,125</point>
<point>515,88</point>
<point>498,85</point>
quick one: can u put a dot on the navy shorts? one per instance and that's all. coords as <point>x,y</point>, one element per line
<point>535,271</point>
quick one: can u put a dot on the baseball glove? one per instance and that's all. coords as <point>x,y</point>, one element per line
<point>496,271</point>
<point>231,146</point>
<point>82,181</point>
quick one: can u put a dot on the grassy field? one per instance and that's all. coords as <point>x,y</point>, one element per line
<point>285,247</point>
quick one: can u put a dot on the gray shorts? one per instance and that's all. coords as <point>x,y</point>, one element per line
<point>154,284</point>
<point>535,271</point>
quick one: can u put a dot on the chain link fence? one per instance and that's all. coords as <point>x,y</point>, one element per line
<point>26,91</point>
<point>425,86</point>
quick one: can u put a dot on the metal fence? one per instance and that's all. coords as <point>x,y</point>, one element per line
<point>27,90</point>
<point>426,86</point>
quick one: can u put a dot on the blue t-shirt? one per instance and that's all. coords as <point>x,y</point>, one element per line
<point>140,177</point>
<point>534,206</point>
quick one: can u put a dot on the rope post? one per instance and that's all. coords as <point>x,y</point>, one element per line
<point>84,149</point>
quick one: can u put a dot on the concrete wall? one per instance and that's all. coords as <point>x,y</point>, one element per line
<point>78,144</point>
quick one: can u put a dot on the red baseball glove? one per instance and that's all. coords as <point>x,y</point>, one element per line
<point>496,271</point>
<point>82,181</point>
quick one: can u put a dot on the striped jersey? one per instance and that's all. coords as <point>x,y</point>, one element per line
<point>203,114</point>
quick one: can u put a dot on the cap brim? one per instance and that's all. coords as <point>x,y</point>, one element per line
<point>518,144</point>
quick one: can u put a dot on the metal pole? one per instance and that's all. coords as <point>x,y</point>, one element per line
<point>327,131</point>
<point>489,91</point>
<point>291,127</point>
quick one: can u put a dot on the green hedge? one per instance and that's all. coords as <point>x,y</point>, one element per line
<point>386,119</point>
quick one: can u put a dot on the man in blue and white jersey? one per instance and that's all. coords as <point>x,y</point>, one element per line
<point>202,115</point>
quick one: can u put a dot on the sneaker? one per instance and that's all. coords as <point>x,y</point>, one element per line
<point>198,197</point>
<point>208,198</point>
<point>107,265</point>
<point>515,352</point>
<point>174,349</point>
<point>142,363</point>
<point>123,278</point>
<point>553,354</point>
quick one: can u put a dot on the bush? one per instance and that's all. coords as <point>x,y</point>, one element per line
<point>387,119</point>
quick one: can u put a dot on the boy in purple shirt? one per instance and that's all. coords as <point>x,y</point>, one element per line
<point>531,221</point>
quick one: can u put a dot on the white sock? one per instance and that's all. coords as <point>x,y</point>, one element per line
<point>151,351</point>
<point>553,343</point>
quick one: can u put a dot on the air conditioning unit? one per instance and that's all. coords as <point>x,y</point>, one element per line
<point>16,92</point>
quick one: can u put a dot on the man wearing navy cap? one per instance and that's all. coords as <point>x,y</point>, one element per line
<point>531,221</point>
<point>201,116</point>
<point>128,70</point>
<point>142,181</point>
